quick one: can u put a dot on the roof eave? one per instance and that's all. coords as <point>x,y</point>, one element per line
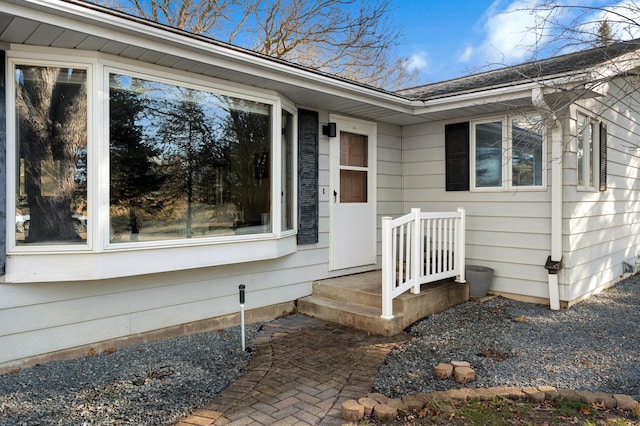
<point>202,49</point>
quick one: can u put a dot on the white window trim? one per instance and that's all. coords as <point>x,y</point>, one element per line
<point>12,155</point>
<point>290,107</point>
<point>161,77</point>
<point>594,174</point>
<point>507,149</point>
<point>100,259</point>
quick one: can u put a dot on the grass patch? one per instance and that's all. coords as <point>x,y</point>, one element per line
<point>501,411</point>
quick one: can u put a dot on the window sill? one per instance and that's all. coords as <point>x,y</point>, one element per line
<point>50,267</point>
<point>510,189</point>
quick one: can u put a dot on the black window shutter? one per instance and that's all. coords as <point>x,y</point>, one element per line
<point>456,148</point>
<point>3,164</point>
<point>603,156</point>
<point>307,177</point>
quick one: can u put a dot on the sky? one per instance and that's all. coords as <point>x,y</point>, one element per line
<point>445,39</point>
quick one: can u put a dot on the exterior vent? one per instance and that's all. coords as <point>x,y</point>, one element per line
<point>631,265</point>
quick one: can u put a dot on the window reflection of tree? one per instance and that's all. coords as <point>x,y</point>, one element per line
<point>209,154</point>
<point>134,174</point>
<point>51,107</point>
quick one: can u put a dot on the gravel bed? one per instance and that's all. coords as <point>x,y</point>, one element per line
<point>594,345</point>
<point>149,384</point>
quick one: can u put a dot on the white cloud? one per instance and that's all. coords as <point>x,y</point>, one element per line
<point>511,33</point>
<point>417,61</point>
<point>466,54</point>
<point>623,17</point>
<point>515,31</point>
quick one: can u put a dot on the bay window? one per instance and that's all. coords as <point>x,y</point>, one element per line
<point>135,161</point>
<point>507,153</point>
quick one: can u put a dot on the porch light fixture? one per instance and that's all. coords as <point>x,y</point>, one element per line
<point>329,130</point>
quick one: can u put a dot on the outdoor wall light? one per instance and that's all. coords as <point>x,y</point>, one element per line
<point>329,130</point>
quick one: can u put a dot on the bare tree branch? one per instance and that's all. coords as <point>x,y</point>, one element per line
<point>350,38</point>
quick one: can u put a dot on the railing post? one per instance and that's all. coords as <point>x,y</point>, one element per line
<point>460,245</point>
<point>416,258</point>
<point>387,271</point>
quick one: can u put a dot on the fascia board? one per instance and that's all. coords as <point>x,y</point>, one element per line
<point>498,94</point>
<point>617,66</point>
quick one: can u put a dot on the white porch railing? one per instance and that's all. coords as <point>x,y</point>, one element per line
<point>420,248</point>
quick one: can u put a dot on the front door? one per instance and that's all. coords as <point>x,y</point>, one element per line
<point>352,194</point>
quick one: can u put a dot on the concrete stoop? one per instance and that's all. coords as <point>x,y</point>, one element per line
<point>356,301</point>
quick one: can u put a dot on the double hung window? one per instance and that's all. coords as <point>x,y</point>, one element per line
<point>507,154</point>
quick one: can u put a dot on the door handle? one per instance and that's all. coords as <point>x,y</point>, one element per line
<point>335,196</point>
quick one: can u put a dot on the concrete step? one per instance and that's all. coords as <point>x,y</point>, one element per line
<point>354,315</point>
<point>347,294</point>
<point>356,300</point>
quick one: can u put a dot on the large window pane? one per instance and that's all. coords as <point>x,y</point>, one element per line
<point>488,154</point>
<point>51,184</point>
<point>186,163</point>
<point>526,160</point>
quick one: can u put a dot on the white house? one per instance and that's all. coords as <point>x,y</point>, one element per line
<point>149,172</point>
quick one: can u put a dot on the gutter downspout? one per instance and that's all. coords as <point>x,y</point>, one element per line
<point>554,262</point>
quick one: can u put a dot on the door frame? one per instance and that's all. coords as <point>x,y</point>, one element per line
<point>369,128</point>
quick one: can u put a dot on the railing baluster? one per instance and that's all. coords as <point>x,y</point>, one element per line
<point>431,252</point>
<point>415,251</point>
<point>449,246</point>
<point>419,248</point>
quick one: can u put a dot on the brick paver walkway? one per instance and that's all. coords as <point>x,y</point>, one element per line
<point>301,371</point>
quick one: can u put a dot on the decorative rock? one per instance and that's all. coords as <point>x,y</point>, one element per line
<point>482,394</point>
<point>586,396</point>
<point>424,397</point>
<point>368,405</point>
<point>464,374</point>
<point>440,395</point>
<point>458,394</point>
<point>396,403</point>
<point>514,393</point>
<point>606,399</point>
<point>378,397</point>
<point>569,395</point>
<point>625,402</point>
<point>501,391</point>
<point>443,371</point>
<point>550,392</point>
<point>384,413</point>
<point>412,403</point>
<point>352,411</point>
<point>460,364</point>
<point>533,394</point>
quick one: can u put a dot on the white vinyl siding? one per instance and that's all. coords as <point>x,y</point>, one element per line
<point>509,232</point>
<point>66,314</point>
<point>602,229</point>
<point>389,178</point>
